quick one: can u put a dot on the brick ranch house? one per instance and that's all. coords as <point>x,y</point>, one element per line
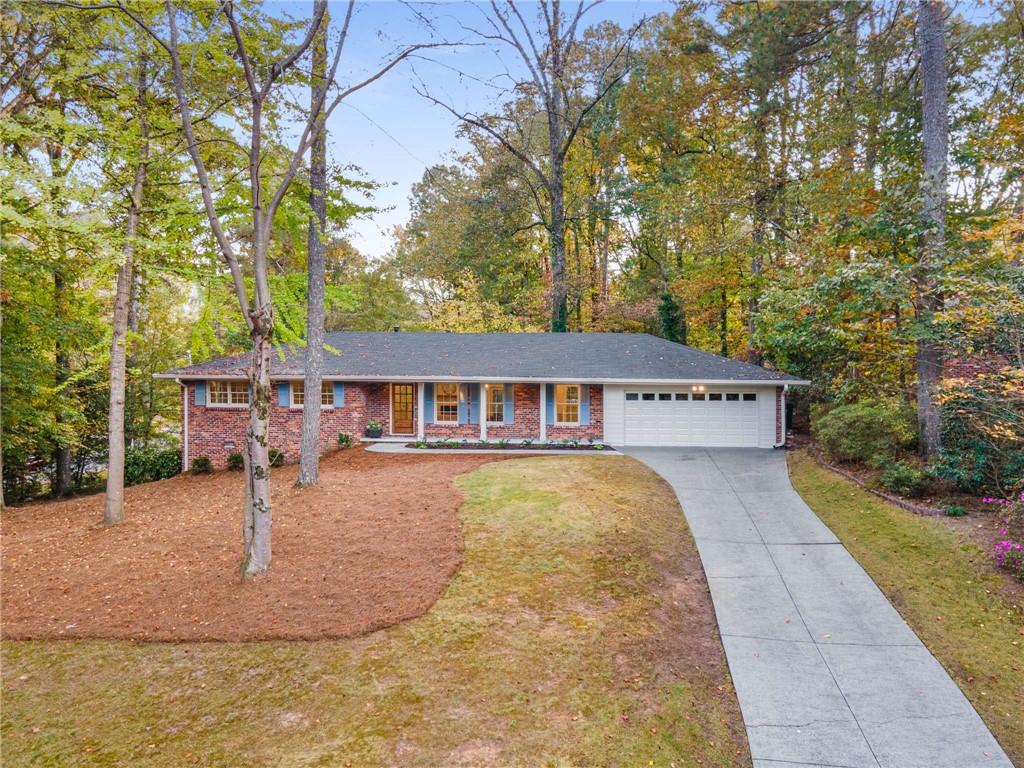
<point>616,388</point>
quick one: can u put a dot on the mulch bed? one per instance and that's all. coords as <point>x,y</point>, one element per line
<point>374,544</point>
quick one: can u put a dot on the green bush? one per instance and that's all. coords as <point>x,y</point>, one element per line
<point>143,465</point>
<point>344,440</point>
<point>201,465</point>
<point>905,479</point>
<point>236,461</point>
<point>954,510</point>
<point>862,432</point>
<point>276,457</point>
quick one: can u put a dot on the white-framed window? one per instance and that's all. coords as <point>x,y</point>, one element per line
<point>227,394</point>
<point>446,403</point>
<point>299,394</point>
<point>495,402</point>
<point>567,403</point>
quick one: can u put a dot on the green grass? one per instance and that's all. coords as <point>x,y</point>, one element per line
<point>557,643</point>
<point>944,586</point>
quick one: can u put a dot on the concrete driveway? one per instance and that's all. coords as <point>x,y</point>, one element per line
<point>827,672</point>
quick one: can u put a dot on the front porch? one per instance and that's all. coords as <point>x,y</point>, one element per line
<point>489,411</point>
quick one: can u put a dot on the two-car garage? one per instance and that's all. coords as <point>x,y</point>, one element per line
<point>691,415</point>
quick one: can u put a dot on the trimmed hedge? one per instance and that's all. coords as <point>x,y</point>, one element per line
<point>864,433</point>
<point>143,465</point>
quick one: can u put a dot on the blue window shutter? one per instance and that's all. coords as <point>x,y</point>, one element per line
<point>428,403</point>
<point>463,404</point>
<point>549,416</point>
<point>339,394</point>
<point>510,406</point>
<point>200,393</point>
<point>584,405</point>
<point>474,403</point>
<point>284,393</point>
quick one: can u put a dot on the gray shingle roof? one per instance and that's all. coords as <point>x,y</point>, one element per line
<point>502,356</point>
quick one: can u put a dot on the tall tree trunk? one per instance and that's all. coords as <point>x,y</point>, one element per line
<point>257,517</point>
<point>760,223</point>
<point>113,511</point>
<point>934,145</point>
<point>556,191</point>
<point>309,459</point>
<point>62,482</point>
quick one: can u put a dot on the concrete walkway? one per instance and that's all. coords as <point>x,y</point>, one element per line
<point>826,671</point>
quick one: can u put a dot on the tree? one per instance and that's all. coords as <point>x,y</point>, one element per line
<point>309,453</point>
<point>552,100</point>
<point>114,504</point>
<point>934,148</point>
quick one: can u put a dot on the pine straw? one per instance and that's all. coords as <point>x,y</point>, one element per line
<point>372,545</point>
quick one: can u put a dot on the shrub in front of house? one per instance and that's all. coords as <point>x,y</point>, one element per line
<point>236,461</point>
<point>905,479</point>
<point>201,465</point>
<point>143,465</point>
<point>344,440</point>
<point>863,432</point>
<point>277,457</point>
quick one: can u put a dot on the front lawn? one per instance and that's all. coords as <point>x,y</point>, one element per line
<point>578,631</point>
<point>970,616</point>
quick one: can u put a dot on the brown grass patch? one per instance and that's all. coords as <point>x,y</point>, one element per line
<point>372,545</point>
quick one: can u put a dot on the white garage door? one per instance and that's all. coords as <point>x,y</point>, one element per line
<point>715,417</point>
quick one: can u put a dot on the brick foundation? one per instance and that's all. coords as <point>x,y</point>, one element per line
<point>217,432</point>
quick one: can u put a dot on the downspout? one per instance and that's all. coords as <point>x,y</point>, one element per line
<point>780,413</point>
<point>184,440</point>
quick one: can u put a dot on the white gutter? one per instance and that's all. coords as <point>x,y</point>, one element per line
<point>502,379</point>
<point>184,442</point>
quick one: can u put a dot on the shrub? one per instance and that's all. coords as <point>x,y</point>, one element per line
<point>864,433</point>
<point>201,465</point>
<point>344,440</point>
<point>143,465</point>
<point>276,456</point>
<point>954,510</point>
<point>236,461</point>
<point>1010,555</point>
<point>982,429</point>
<point>905,479</point>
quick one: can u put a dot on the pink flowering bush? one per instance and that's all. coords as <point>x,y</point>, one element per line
<point>1009,552</point>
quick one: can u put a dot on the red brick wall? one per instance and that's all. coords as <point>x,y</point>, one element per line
<point>971,367</point>
<point>211,429</point>
<point>780,416</point>
<point>526,420</point>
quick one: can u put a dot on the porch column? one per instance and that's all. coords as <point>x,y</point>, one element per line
<point>543,412</point>
<point>483,411</point>
<point>419,410</point>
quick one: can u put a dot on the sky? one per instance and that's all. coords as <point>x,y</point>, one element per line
<point>391,132</point>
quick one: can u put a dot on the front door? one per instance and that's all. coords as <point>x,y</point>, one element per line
<point>402,399</point>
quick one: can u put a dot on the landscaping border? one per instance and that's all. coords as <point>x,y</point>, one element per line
<point>917,509</point>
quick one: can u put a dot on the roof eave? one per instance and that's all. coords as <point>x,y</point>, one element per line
<point>496,379</point>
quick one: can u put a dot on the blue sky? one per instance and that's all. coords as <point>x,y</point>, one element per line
<point>390,131</point>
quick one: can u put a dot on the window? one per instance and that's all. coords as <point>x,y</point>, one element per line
<point>698,395</point>
<point>495,403</point>
<point>664,395</point>
<point>632,395</point>
<point>229,393</point>
<point>446,402</point>
<point>648,395</point>
<point>714,396</point>
<point>682,396</point>
<point>732,397</point>
<point>749,397</point>
<point>567,403</point>
<point>299,393</point>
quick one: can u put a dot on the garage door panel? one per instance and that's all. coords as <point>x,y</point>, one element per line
<point>660,417</point>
